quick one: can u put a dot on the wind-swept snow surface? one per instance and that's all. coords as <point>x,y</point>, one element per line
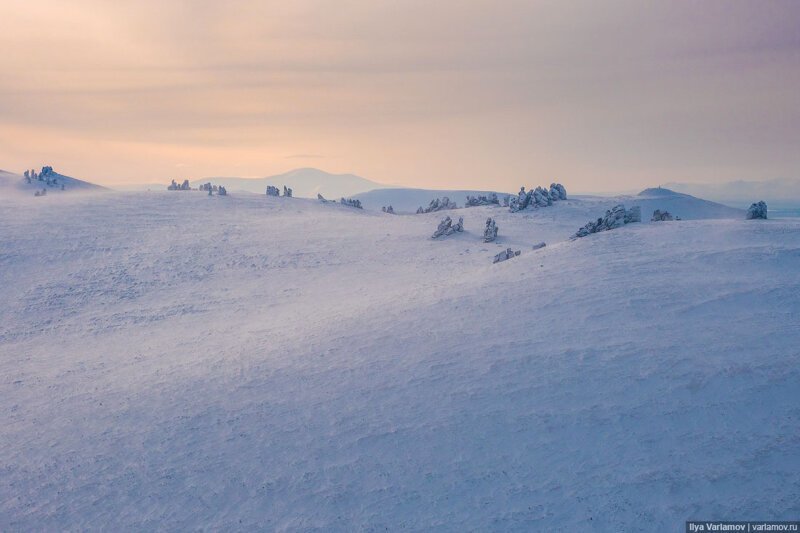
<point>179,361</point>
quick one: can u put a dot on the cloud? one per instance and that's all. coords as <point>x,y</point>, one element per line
<point>306,156</point>
<point>447,94</point>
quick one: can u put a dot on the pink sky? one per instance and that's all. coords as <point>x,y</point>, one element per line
<point>471,94</point>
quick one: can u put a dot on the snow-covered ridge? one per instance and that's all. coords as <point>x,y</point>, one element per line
<point>52,182</point>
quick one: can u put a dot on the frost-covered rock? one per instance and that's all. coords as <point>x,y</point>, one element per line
<point>634,214</point>
<point>508,254</point>
<point>473,201</point>
<point>182,187</point>
<point>614,218</point>
<point>389,209</point>
<point>438,205</point>
<point>661,216</point>
<point>287,192</point>
<point>539,245</point>
<point>446,227</point>
<point>538,197</point>
<point>757,211</point>
<point>490,231</point>
<point>351,202</point>
<point>558,192</point>
<point>273,191</point>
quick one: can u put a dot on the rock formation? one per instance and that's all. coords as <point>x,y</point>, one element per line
<point>757,211</point>
<point>660,216</point>
<point>490,231</point>
<point>446,227</point>
<point>614,218</point>
<point>351,202</point>
<point>438,205</point>
<point>538,197</point>
<point>473,201</point>
<point>508,254</point>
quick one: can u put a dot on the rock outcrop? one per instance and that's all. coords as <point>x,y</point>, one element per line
<point>438,205</point>
<point>508,254</point>
<point>273,191</point>
<point>661,216</point>
<point>538,197</point>
<point>757,211</point>
<point>351,202</point>
<point>539,245</point>
<point>446,227</point>
<point>182,187</point>
<point>474,201</point>
<point>490,231</point>
<point>614,218</point>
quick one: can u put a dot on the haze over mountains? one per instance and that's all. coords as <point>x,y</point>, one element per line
<point>305,182</point>
<point>778,193</point>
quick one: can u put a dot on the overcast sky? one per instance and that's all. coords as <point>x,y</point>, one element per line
<point>602,96</point>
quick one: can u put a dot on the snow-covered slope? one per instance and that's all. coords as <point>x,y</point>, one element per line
<point>179,361</point>
<point>408,200</point>
<point>16,185</point>
<point>682,205</point>
<point>305,182</point>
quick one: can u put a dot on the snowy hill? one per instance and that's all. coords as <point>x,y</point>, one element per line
<point>179,362</point>
<point>16,184</point>
<point>683,205</point>
<point>305,182</point>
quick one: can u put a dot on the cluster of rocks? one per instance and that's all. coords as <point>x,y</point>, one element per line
<point>219,189</point>
<point>182,187</point>
<point>490,231</point>
<point>614,218</point>
<point>661,216</point>
<point>351,202</point>
<point>274,191</point>
<point>538,197</point>
<point>474,201</point>
<point>507,254</point>
<point>43,192</point>
<point>446,227</point>
<point>388,209</point>
<point>438,205</point>
<point>48,176</point>
<point>757,211</point>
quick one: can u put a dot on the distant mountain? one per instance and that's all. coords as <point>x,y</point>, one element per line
<point>304,182</point>
<point>777,193</point>
<point>408,200</point>
<point>683,205</point>
<point>16,183</point>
